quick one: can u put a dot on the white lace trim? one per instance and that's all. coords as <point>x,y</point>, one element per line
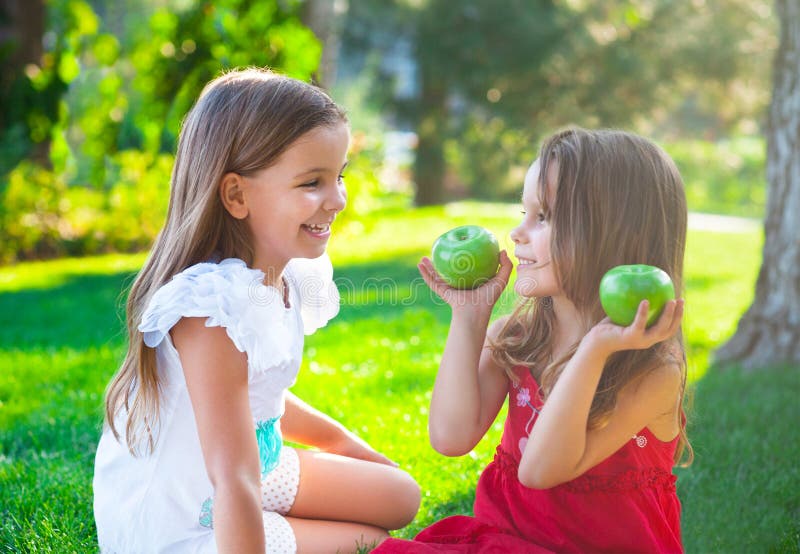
<point>319,297</point>
<point>231,295</point>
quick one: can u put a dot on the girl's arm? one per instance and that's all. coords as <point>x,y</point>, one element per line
<point>469,388</point>
<point>560,447</point>
<point>216,378</point>
<point>301,423</point>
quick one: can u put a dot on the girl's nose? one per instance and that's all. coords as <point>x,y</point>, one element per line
<point>515,235</point>
<point>338,199</point>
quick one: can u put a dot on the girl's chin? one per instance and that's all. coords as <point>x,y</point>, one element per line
<point>312,253</point>
<point>527,286</point>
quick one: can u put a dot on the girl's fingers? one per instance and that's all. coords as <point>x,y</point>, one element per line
<point>431,278</point>
<point>677,316</point>
<point>637,336</point>
<point>426,268</point>
<point>669,321</point>
<point>505,261</point>
<point>640,321</point>
<point>427,276</point>
<point>423,271</point>
<point>479,295</point>
<point>431,281</point>
<point>505,267</point>
<point>377,457</point>
<point>662,327</point>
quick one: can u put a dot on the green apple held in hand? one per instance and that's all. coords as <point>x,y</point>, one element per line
<point>624,287</point>
<point>466,257</point>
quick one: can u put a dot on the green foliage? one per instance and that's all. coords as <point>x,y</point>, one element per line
<point>369,186</point>
<point>726,177</point>
<point>43,217</point>
<point>184,50</point>
<point>491,158</point>
<point>61,340</point>
<point>490,74</point>
<point>364,193</point>
<point>117,78</point>
<point>108,109</point>
<point>29,97</point>
<point>721,177</point>
<point>31,210</point>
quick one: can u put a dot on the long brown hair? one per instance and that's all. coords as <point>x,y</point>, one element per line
<point>242,122</point>
<point>619,199</point>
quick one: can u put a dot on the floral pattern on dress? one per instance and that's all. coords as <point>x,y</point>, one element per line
<point>524,399</point>
<point>206,513</point>
<point>269,442</point>
<point>268,437</point>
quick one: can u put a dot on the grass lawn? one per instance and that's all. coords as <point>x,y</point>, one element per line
<point>373,368</point>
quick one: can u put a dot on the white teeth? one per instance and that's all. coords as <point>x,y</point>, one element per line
<point>525,261</point>
<point>318,228</point>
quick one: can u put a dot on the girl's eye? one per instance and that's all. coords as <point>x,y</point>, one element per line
<point>341,178</point>
<point>310,184</point>
<point>541,217</point>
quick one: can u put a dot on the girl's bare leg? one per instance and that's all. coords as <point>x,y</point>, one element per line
<point>317,536</point>
<point>343,501</point>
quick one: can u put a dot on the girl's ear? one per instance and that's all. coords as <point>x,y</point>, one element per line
<point>231,192</point>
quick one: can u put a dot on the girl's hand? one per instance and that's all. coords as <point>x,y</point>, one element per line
<point>485,296</point>
<point>353,446</point>
<point>609,337</point>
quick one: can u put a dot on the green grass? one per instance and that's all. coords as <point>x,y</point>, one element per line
<point>373,367</point>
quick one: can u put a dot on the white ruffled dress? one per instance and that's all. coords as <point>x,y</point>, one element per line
<point>159,502</point>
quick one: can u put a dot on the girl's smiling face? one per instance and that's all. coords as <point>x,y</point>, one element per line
<point>292,203</point>
<point>535,272</point>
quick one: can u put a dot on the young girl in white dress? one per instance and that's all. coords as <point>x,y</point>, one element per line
<point>191,458</point>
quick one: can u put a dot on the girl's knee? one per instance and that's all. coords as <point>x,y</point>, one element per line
<point>405,498</point>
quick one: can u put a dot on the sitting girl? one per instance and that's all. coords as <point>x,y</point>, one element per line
<point>594,421</point>
<point>191,458</point>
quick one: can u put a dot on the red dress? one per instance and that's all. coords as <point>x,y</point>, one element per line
<point>627,503</point>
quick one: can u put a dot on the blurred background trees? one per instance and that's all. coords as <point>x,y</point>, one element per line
<point>768,334</point>
<point>90,123</point>
<point>448,99</point>
<point>480,80</point>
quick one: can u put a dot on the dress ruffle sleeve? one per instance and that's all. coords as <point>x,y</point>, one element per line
<point>230,295</point>
<point>319,297</point>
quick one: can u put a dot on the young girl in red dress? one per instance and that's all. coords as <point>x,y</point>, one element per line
<point>595,422</point>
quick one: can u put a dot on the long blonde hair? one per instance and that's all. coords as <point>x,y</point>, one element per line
<point>619,199</point>
<point>242,122</point>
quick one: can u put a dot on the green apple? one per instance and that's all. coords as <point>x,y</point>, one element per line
<point>624,287</point>
<point>466,257</point>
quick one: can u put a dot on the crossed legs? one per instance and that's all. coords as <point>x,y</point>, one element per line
<point>343,503</point>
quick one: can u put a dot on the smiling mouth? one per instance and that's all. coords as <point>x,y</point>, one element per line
<point>318,229</point>
<point>524,261</point>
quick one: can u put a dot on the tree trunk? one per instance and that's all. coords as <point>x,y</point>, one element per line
<point>429,166</point>
<point>320,16</point>
<point>22,25</point>
<point>769,332</point>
